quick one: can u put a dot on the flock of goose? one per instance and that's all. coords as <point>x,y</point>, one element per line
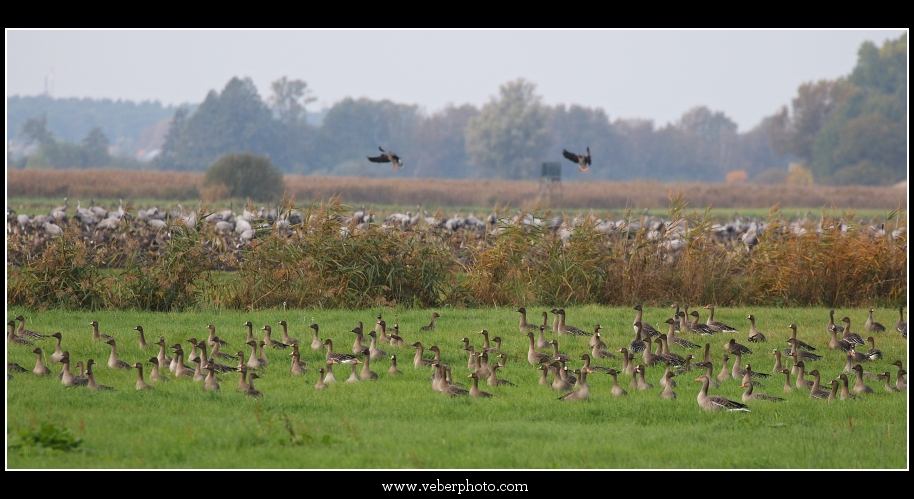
<point>207,363</point>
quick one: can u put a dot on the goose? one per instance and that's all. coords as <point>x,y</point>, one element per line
<point>393,370</point>
<point>154,374</point>
<point>213,340</point>
<point>57,356</point>
<point>887,376</point>
<point>395,339</point>
<point>374,352</point>
<point>113,361</point>
<point>667,381</point>
<point>754,335</point>
<point>667,355</point>
<point>243,380</point>
<point>92,384</point>
<point>566,329</point>
<point>251,391</point>
<point>177,366</point>
<point>193,352</point>
<point>582,160</point>
<point>164,360</point>
<point>850,337</point>
<point>833,394</point>
<point>316,343</point>
<point>637,344</point>
<point>250,327</point>
<point>582,392</point>
<point>627,365</point>
<point>900,382</point>
<point>677,340</point>
<point>777,361</point>
<point>870,325</point>
<point>40,369</point>
<point>798,354</point>
<point>143,343</point>
<point>320,380</point>
<point>831,322</point>
<point>286,339</point>
<point>564,358</point>
<point>481,366</point>
<point>902,325</point>
<point>67,378</point>
<point>724,373</point>
<point>647,330</point>
<point>697,327</point>
<point>859,385</point>
<point>210,383</point>
<point>816,391</point>
<point>451,389</point>
<point>642,384</point>
<point>328,373</point>
<point>801,382</point>
<point>556,320</point>
<point>560,382</point>
<point>845,389</point>
<point>595,340</point>
<point>687,367</point>
<point>381,329</point>
<point>419,360</point>
<point>140,382</point>
<point>716,402</point>
<point>431,325</point>
<point>837,344</point>
<point>494,380</point>
<point>96,336</point>
<point>216,354</point>
<point>387,157</point>
<point>733,347</point>
<point>474,390</point>
<point>799,343</point>
<point>718,326</point>
<point>544,378</point>
<point>297,367</point>
<point>524,326</point>
<point>586,359</point>
<point>366,374</point>
<point>268,340</point>
<point>787,386</point>
<point>534,357</point>
<point>342,358</point>
<point>616,391</point>
<point>873,353</point>
<point>471,350</point>
<point>663,380</point>
<point>28,333</point>
<point>254,362</point>
<point>749,396</point>
<point>486,346</point>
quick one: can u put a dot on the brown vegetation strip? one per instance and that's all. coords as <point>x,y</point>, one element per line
<point>438,192</point>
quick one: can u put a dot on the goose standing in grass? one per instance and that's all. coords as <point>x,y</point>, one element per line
<point>431,325</point>
<point>341,358</point>
<point>298,367</point>
<point>650,358</point>
<point>777,361</point>
<point>286,339</point>
<point>113,361</point>
<point>366,374</point>
<point>250,326</point>
<point>92,384</point>
<point>395,339</point>
<point>716,402</point>
<point>40,369</point>
<point>486,345</point>
<point>850,336</point>
<point>251,391</point>
<point>143,343</point>
<point>154,374</point>
<point>216,354</point>
<point>213,340</point>
<point>816,391</point>
<point>316,343</point>
<point>668,392</point>
<point>831,322</point>
<point>787,386</point>
<point>164,360</point>
<point>567,329</point>
<point>582,392</point>
<point>243,380</point>
<point>837,344</point>
<point>900,382</point>
<point>381,329</point>
<point>873,353</point>
<point>560,381</point>
<point>393,370</point>
<point>210,383</point>
<point>627,364</point>
<point>902,325</point>
<point>69,379</point>
<point>733,348</point>
<point>57,356</point>
<point>353,376</point>
<point>724,373</point>
<point>533,357</point>
<point>697,327</point>
<point>28,333</point>
<point>799,343</point>
<point>419,360</point>
<point>616,391</point>
<point>667,355</point>
<point>859,385</point>
<point>749,396</point>
<point>494,380</point>
<point>677,340</point>
<point>320,380</point>
<point>556,355</point>
<point>887,376</point>
<point>873,326</point>
<point>718,326</point>
<point>95,334</point>
<point>328,371</point>
<point>799,354</point>
<point>754,335</point>
<point>642,383</point>
<point>587,364</point>
<point>638,344</point>
<point>845,388</point>
<point>374,352</point>
<point>525,326</point>
<point>140,382</point>
<point>647,330</point>
<point>474,390</point>
<point>801,382</point>
<point>268,339</point>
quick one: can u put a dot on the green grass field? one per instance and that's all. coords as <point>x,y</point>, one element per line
<point>398,422</point>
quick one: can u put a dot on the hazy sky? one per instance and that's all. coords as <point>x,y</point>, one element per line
<point>656,75</point>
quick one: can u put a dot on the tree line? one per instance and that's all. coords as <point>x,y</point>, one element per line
<point>846,131</point>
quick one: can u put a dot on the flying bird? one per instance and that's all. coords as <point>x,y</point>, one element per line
<point>582,160</point>
<point>387,157</point>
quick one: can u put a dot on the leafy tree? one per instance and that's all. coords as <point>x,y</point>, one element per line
<point>246,175</point>
<point>441,145</point>
<point>290,97</point>
<point>577,128</point>
<point>36,130</point>
<point>96,146</point>
<point>508,138</point>
<point>288,102</point>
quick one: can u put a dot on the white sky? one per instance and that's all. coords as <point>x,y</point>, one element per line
<point>656,75</point>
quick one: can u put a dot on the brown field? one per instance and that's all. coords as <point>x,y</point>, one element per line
<point>180,186</point>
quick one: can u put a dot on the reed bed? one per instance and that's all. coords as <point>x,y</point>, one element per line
<point>582,195</point>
